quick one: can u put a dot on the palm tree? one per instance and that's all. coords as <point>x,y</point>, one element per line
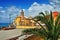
<point>50,31</point>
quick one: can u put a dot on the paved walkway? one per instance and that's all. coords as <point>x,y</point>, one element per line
<point>6,34</point>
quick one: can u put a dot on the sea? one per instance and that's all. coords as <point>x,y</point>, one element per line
<point>4,25</point>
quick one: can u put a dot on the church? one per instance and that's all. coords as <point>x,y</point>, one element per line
<point>23,22</point>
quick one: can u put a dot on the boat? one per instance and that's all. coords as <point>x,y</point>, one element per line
<point>8,28</point>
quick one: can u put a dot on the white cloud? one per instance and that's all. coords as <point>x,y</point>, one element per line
<point>2,11</point>
<point>34,6</point>
<point>13,11</point>
<point>55,4</point>
<point>35,3</point>
<point>1,7</point>
<point>33,10</point>
<point>40,7</point>
<point>52,4</point>
<point>55,1</point>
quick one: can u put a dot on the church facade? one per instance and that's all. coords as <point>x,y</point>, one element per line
<point>23,22</point>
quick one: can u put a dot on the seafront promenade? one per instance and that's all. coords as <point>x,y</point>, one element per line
<point>7,34</point>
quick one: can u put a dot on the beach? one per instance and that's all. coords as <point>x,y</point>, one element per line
<point>7,34</point>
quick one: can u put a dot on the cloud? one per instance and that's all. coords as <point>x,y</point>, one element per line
<point>2,11</point>
<point>12,11</point>
<point>1,7</point>
<point>33,10</point>
<point>55,4</point>
<point>55,1</point>
<point>34,6</point>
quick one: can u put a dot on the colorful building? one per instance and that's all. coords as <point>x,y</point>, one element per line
<point>23,22</point>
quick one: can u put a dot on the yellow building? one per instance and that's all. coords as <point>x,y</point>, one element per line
<point>23,22</point>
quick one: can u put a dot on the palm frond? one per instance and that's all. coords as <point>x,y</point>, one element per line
<point>40,25</point>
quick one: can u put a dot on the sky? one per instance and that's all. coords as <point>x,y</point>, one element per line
<point>21,3</point>
<point>30,8</point>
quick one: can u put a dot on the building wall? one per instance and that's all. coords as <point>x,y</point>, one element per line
<point>23,22</point>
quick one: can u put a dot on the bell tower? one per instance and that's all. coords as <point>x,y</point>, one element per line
<point>22,13</point>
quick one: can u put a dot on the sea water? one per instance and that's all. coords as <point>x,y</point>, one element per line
<point>4,25</point>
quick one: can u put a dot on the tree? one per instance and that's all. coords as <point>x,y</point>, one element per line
<point>52,29</point>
